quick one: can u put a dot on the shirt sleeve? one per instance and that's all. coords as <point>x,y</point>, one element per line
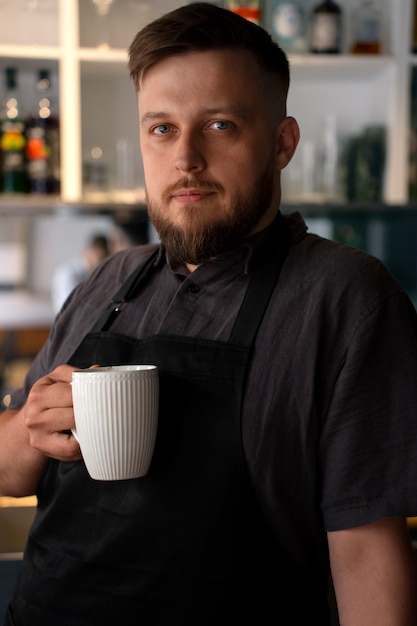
<point>369,438</point>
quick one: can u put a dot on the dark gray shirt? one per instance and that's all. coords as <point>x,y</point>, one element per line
<point>329,423</point>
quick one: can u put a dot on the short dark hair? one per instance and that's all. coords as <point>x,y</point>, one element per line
<point>100,242</point>
<point>200,27</point>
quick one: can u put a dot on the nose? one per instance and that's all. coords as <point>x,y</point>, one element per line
<point>189,155</point>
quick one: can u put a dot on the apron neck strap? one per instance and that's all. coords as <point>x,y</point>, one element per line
<point>262,283</point>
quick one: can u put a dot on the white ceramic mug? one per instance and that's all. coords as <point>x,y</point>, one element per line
<point>116,419</point>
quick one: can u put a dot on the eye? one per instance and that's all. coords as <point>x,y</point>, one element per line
<point>161,129</point>
<point>220,125</point>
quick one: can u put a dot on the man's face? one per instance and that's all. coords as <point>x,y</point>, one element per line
<point>209,147</point>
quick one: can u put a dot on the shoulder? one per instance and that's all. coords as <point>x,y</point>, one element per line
<point>337,292</point>
<point>94,294</point>
<point>335,270</point>
<point>107,278</point>
<point>120,265</point>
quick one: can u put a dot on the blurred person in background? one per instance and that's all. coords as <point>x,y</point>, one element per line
<point>69,274</point>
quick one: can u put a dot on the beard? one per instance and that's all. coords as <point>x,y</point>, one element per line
<point>200,240</point>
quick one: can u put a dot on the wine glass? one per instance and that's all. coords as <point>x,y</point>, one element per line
<point>102,8</point>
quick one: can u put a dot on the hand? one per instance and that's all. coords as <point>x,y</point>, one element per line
<point>49,416</point>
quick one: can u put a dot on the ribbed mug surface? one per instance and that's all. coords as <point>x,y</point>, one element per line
<point>116,417</point>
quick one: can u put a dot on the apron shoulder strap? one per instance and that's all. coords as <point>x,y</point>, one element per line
<point>123,294</point>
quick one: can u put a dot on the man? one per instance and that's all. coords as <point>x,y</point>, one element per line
<point>287,437</point>
<point>69,273</point>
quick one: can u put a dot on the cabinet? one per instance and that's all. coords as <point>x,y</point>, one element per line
<point>101,164</point>
<point>96,97</point>
<point>358,90</point>
<point>98,104</point>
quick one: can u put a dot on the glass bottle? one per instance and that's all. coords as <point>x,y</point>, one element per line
<point>249,9</point>
<point>289,25</point>
<point>12,137</point>
<point>412,148</point>
<point>367,30</point>
<point>414,29</point>
<point>326,28</point>
<point>43,142</point>
<point>330,159</point>
<point>102,8</point>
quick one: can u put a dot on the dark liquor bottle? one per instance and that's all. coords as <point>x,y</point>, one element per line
<point>43,140</point>
<point>12,138</point>
<point>326,28</point>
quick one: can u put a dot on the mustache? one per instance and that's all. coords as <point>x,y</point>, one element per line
<point>191,183</point>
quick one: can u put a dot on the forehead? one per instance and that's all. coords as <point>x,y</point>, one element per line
<point>195,73</point>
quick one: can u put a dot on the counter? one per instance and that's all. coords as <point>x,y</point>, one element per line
<point>22,309</point>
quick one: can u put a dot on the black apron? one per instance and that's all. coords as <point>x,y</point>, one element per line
<point>187,544</point>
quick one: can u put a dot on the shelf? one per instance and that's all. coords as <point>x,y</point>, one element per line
<point>358,65</point>
<point>112,57</point>
<point>351,208</point>
<point>94,85</point>
<point>30,53</point>
<point>34,206</point>
<point>31,206</point>
<point>339,66</point>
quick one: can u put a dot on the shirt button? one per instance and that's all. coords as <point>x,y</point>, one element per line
<point>194,289</point>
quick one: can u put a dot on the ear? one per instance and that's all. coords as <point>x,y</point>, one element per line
<point>288,135</point>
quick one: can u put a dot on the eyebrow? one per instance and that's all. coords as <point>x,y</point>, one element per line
<point>156,115</point>
<point>236,111</point>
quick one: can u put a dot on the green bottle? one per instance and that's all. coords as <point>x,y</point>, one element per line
<point>12,138</point>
